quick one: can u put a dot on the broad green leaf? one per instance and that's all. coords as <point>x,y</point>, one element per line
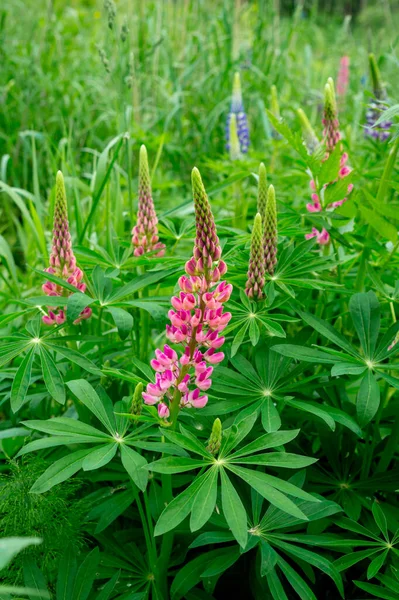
<point>135,465</point>
<point>365,312</point>
<point>103,410</point>
<point>59,471</point>
<point>380,519</point>
<point>261,484</point>
<point>122,319</point>
<point>66,574</point>
<point>212,537</point>
<point>368,399</point>
<point>99,457</point>
<point>52,377</point>
<point>66,426</point>
<point>76,303</point>
<point>379,224</point>
<point>271,420</point>
<point>376,564</point>
<point>173,464</point>
<point>348,560</point>
<point>204,501</point>
<point>343,368</point>
<point>268,440</point>
<point>34,579</point>
<point>296,581</point>
<point>141,282</point>
<point>187,443</point>
<point>268,558</point>
<point>275,586</point>
<point>304,353</point>
<point>21,381</point>
<point>189,575</point>
<point>178,508</point>
<point>233,510</point>
<point>278,459</point>
<point>108,511</point>
<point>11,546</point>
<point>376,590</point>
<point>109,587</point>
<point>222,561</point>
<point>239,338</point>
<point>75,357</point>
<point>314,409</point>
<point>86,575</point>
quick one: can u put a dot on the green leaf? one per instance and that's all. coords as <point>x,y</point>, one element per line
<point>66,574</point>
<point>368,399</point>
<point>178,508</point>
<point>109,587</point>
<point>187,443</point>
<point>102,409</point>
<point>348,560</point>
<point>173,464</point>
<point>21,381</point>
<point>261,483</point>
<point>134,464</point>
<point>66,426</point>
<point>376,564</point>
<point>296,581</point>
<point>86,575</point>
<point>76,303</point>
<point>99,457</point>
<point>52,377</point>
<point>75,357</point>
<point>141,282</point>
<point>365,312</point>
<point>239,338</point>
<point>380,519</point>
<point>278,459</point>
<point>268,440</point>
<point>233,510</point>
<point>379,224</point>
<point>268,558</point>
<point>123,321</point>
<point>275,586</point>
<point>254,332</point>
<point>271,420</point>
<point>59,471</point>
<point>204,501</point>
<point>314,409</point>
<point>304,353</point>
<point>328,331</point>
<point>376,590</point>
<point>11,546</point>
<point>347,369</point>
<point>222,561</point>
<point>111,509</point>
<point>34,579</point>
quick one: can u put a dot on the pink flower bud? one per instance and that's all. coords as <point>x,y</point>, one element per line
<point>163,411</point>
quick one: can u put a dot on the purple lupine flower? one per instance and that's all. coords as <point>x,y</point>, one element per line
<point>377,106</point>
<point>197,319</point>
<point>256,268</point>
<point>62,259</point>
<point>237,109</point>
<point>145,232</point>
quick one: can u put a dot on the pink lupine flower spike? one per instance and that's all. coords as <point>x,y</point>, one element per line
<point>197,320</point>
<point>62,260</point>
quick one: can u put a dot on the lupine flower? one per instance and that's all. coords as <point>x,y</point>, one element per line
<point>256,270</point>
<point>377,106</point>
<point>323,237</point>
<point>215,439</point>
<point>237,109</point>
<point>234,145</point>
<point>145,232</point>
<point>62,259</point>
<point>330,119</point>
<point>270,231</point>
<point>316,204</point>
<point>262,192</point>
<point>309,136</point>
<point>197,320</point>
<point>275,110</point>
<point>343,77</point>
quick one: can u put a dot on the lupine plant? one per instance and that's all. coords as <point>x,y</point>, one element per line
<point>198,376</point>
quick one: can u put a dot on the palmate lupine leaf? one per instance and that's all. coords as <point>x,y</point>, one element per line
<point>200,497</point>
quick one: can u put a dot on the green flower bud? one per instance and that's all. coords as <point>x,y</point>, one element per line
<point>215,439</point>
<point>137,400</point>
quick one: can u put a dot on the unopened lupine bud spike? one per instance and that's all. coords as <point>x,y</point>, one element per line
<point>270,232</point>
<point>215,439</point>
<point>262,191</point>
<point>62,258</point>
<point>256,268</point>
<point>234,149</point>
<point>206,245</point>
<point>237,109</point>
<point>309,136</point>
<point>137,400</point>
<point>330,119</point>
<point>145,232</point>
<point>377,106</point>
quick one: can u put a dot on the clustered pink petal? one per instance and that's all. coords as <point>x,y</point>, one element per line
<point>343,76</point>
<point>323,237</point>
<point>196,319</point>
<point>145,232</point>
<point>62,260</point>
